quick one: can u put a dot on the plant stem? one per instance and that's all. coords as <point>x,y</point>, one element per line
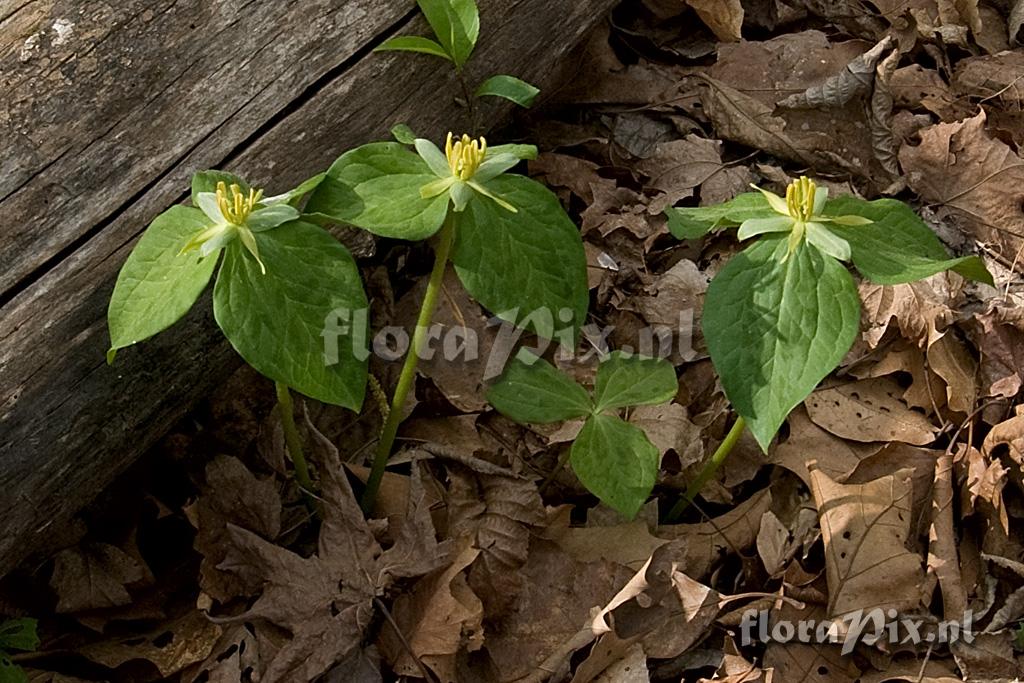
<point>408,376</point>
<point>709,470</point>
<point>291,437</point>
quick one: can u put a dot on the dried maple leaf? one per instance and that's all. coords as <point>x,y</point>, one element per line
<point>325,601</point>
<point>865,529</point>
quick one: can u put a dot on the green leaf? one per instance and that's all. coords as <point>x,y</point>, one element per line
<point>616,462</point>
<point>509,87</point>
<point>403,134</point>
<point>630,380</point>
<point>456,24</point>
<point>292,197</point>
<point>527,267</point>
<point>414,44</point>
<point>898,246</point>
<point>11,672</point>
<point>19,634</point>
<point>377,187</point>
<point>531,390</point>
<point>284,324</point>
<point>206,181</point>
<point>518,151</point>
<point>691,222</point>
<point>775,329</point>
<point>158,284</point>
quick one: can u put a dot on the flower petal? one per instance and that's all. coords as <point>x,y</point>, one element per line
<point>207,202</point>
<point>820,197</point>
<point>249,242</point>
<point>494,167</point>
<point>850,220</point>
<point>828,242</point>
<point>221,239</point>
<point>777,203</point>
<point>435,159</point>
<point>271,217</point>
<point>758,226</point>
<point>461,194</point>
<point>487,193</point>
<point>203,237</point>
<point>436,187</point>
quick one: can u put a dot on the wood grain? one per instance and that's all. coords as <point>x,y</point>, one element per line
<point>103,127</point>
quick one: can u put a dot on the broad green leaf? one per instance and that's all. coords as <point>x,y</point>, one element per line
<point>293,324</point>
<point>19,634</point>
<point>414,44</point>
<point>691,222</point>
<point>531,390</point>
<point>776,328</point>
<point>206,181</point>
<point>11,672</point>
<point>158,284</point>
<point>616,462</point>
<point>456,24</point>
<point>293,196</point>
<point>631,380</point>
<point>527,267</point>
<point>509,87</point>
<point>898,246</point>
<point>377,187</point>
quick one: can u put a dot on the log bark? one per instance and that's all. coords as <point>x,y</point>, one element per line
<point>106,115</point>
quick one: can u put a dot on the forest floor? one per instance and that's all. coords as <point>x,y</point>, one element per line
<point>900,481</point>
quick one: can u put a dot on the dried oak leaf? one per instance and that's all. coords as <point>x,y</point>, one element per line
<point>325,601</point>
<point>975,177</point>
<point>93,576</point>
<point>865,529</point>
<point>232,495</point>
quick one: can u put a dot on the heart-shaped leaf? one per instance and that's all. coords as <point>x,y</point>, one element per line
<point>630,380</point>
<point>158,284</point>
<point>527,267</point>
<point>775,328</point>
<point>531,390</point>
<point>616,462</point>
<point>298,323</point>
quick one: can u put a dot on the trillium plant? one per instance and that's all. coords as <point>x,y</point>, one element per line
<point>507,237</point>
<point>280,277</point>
<point>783,312</point>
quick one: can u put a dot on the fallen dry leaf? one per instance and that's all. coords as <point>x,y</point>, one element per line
<point>836,457</point>
<point>439,617</point>
<point>922,309</point>
<point>869,410</point>
<point>325,601</point>
<point>93,576</point>
<point>865,529</point>
<point>975,177</point>
<point>630,544</point>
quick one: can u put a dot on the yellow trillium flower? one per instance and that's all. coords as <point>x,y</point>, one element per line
<point>800,214</point>
<point>235,213</point>
<point>464,168</point>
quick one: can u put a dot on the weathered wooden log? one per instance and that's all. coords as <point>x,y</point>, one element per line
<point>105,115</point>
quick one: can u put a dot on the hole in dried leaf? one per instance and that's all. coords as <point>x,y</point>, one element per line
<point>846,535</point>
<point>823,671</point>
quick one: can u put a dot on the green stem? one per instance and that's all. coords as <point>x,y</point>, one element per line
<point>709,470</point>
<point>291,437</point>
<point>408,376</point>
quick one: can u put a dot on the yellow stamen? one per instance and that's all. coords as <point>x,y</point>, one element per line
<point>237,207</point>
<point>800,198</point>
<point>464,155</point>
